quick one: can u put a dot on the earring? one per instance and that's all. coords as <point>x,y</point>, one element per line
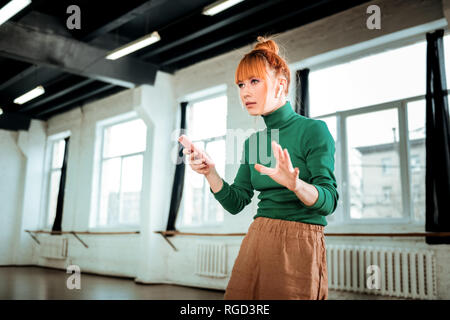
<point>279,91</point>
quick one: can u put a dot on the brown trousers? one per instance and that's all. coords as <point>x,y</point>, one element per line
<point>280,260</point>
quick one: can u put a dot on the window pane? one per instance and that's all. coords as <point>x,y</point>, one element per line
<point>216,149</point>
<point>416,134</point>
<point>207,118</point>
<point>55,178</point>
<point>58,153</point>
<point>124,138</point>
<point>192,178</point>
<point>193,196</point>
<point>197,207</point>
<point>374,172</point>
<point>214,212</point>
<point>109,194</point>
<point>331,124</point>
<point>382,77</point>
<point>192,193</point>
<point>131,189</point>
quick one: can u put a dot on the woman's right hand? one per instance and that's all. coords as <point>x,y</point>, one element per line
<point>198,163</point>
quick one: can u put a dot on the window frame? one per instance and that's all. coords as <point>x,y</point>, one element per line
<point>404,38</point>
<point>205,193</point>
<point>386,166</point>
<point>342,172</point>
<point>101,127</point>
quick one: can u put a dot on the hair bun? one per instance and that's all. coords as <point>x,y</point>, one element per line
<point>266,44</point>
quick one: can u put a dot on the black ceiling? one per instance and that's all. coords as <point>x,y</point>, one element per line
<point>36,47</point>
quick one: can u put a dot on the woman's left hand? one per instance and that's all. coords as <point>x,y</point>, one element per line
<point>283,173</point>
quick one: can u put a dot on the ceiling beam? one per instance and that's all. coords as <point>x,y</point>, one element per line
<point>46,23</point>
<point>127,17</point>
<point>21,75</point>
<point>43,21</point>
<point>58,94</point>
<point>244,32</point>
<point>75,100</point>
<point>213,27</point>
<point>73,56</point>
<point>29,81</point>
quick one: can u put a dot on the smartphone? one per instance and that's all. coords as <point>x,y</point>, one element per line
<point>184,140</point>
<point>187,143</point>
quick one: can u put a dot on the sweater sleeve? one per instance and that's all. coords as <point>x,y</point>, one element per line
<point>236,196</point>
<point>319,149</point>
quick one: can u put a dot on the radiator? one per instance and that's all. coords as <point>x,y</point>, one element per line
<point>54,247</point>
<point>405,272</point>
<point>211,259</point>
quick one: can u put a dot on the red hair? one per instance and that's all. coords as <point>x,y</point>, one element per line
<point>254,63</point>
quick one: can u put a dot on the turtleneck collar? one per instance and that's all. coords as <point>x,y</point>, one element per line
<point>278,118</point>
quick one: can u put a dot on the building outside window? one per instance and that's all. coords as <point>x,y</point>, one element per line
<point>386,166</point>
<point>387,192</point>
<point>415,163</point>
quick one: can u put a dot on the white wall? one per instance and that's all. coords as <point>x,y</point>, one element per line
<point>12,165</point>
<point>32,144</point>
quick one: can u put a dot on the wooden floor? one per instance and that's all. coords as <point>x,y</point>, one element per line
<point>37,283</point>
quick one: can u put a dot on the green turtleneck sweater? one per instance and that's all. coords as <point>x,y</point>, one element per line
<point>311,149</point>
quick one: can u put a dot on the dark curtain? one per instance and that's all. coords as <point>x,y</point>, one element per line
<point>302,101</point>
<point>178,182</point>
<point>62,183</point>
<point>437,141</point>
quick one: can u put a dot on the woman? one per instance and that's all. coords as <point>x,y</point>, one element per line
<point>283,254</point>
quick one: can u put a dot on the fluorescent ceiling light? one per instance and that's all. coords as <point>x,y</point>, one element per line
<point>30,95</point>
<point>1,111</point>
<point>219,6</point>
<point>134,46</point>
<point>11,8</point>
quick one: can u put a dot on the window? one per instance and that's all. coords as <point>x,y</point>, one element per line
<point>57,147</point>
<point>361,102</point>
<point>120,181</point>
<point>373,161</point>
<point>387,191</point>
<point>386,166</point>
<point>206,126</point>
<point>378,78</point>
<point>415,163</point>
